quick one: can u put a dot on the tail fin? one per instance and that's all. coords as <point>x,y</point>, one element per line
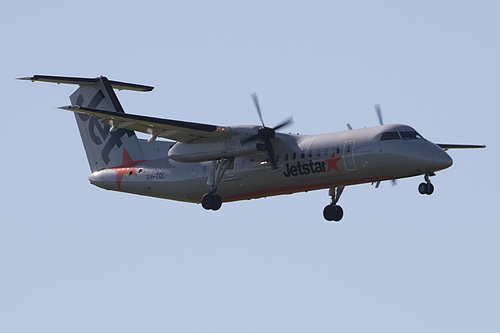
<point>105,149</point>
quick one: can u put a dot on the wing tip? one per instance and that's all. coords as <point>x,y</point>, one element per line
<point>68,107</point>
<point>447,146</point>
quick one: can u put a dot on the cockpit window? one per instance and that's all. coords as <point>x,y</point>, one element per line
<point>410,135</point>
<point>390,136</point>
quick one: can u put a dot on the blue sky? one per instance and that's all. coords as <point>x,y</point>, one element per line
<point>77,258</point>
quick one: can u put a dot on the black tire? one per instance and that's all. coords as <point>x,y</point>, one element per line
<point>430,189</point>
<point>328,212</point>
<point>333,213</point>
<point>207,201</point>
<point>338,213</point>
<point>217,202</point>
<point>422,188</point>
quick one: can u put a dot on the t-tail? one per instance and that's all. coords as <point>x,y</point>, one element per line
<point>106,147</point>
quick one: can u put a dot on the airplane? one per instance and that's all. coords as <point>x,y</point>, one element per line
<point>212,164</point>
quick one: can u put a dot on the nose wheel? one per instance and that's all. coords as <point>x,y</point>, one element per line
<point>427,187</point>
<point>333,212</point>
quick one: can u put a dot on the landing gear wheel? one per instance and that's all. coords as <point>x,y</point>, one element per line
<point>328,213</point>
<point>426,188</point>
<point>333,213</point>
<point>218,202</point>
<point>423,187</point>
<point>338,214</point>
<point>207,201</point>
<point>430,189</point>
<point>211,201</point>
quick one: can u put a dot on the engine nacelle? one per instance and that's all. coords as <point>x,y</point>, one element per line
<point>208,149</point>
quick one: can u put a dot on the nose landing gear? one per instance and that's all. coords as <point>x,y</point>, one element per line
<point>427,187</point>
<point>332,212</point>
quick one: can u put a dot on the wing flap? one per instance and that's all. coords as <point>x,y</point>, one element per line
<point>156,127</point>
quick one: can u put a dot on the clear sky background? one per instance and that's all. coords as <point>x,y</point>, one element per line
<point>75,258</point>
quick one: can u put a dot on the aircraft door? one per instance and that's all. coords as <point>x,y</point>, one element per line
<point>349,155</point>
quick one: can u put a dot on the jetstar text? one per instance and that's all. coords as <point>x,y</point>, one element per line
<point>300,169</point>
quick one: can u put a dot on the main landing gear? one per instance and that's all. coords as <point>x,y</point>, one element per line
<point>332,212</point>
<point>211,200</point>
<point>427,187</point>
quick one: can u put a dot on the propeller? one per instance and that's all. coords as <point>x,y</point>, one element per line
<point>379,114</point>
<point>267,133</point>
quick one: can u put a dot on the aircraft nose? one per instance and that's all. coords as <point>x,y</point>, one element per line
<point>441,160</point>
<point>434,158</point>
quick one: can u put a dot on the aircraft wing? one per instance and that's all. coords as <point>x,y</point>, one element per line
<point>447,146</point>
<point>156,127</point>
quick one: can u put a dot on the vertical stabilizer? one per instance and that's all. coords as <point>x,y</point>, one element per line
<point>105,149</point>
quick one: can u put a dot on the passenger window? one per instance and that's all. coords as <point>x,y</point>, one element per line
<point>390,136</point>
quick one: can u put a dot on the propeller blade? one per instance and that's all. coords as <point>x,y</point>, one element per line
<point>270,152</point>
<point>257,106</point>
<point>379,114</point>
<point>266,134</point>
<point>287,122</point>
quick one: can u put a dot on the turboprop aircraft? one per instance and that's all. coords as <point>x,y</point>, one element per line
<point>212,164</point>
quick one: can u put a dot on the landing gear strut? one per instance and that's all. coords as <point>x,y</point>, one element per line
<point>211,200</point>
<point>332,212</point>
<point>427,187</point>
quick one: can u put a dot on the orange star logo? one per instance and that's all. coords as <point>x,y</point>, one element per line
<point>332,163</point>
<point>127,166</point>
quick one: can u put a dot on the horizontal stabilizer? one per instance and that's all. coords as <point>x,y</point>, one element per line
<point>446,146</point>
<point>156,127</point>
<point>87,81</point>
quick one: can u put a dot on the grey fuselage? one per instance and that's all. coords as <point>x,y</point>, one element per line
<point>306,162</point>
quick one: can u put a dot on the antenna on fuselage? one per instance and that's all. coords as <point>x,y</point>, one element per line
<point>379,114</point>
